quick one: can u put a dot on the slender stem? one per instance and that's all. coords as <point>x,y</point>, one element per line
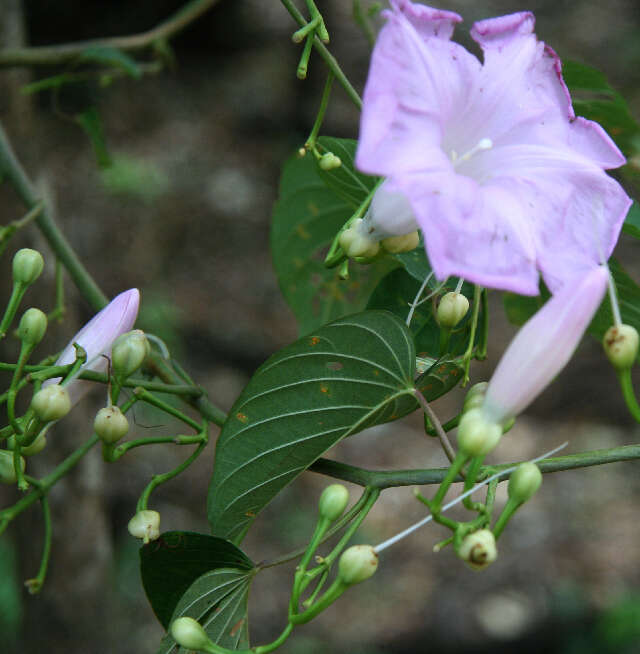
<point>53,55</point>
<point>304,57</point>
<point>157,480</point>
<point>442,436</point>
<point>454,470</point>
<point>264,649</point>
<point>12,169</point>
<point>447,427</point>
<point>509,509</point>
<point>626,384</point>
<point>420,477</point>
<point>34,585</point>
<point>361,20</point>
<point>329,59</point>
<point>481,352</point>
<point>324,103</point>
<point>17,294</point>
<point>472,335</point>
<point>121,450</point>
<point>149,398</point>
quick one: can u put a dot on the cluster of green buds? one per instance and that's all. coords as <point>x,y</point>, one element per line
<point>329,161</point>
<point>358,243</point>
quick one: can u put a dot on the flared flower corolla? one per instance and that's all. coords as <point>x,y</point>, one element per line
<point>97,337</point>
<point>502,177</point>
<point>543,346</point>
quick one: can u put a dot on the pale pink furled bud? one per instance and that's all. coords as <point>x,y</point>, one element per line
<point>543,346</point>
<point>97,338</point>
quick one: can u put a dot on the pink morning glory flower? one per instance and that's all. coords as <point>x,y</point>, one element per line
<point>543,346</point>
<point>97,337</point>
<point>501,176</point>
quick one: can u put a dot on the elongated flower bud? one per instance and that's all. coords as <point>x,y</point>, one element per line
<point>620,344</point>
<point>543,346</point>
<point>478,549</point>
<point>32,327</point>
<point>524,482</point>
<point>97,338</point>
<point>357,564</point>
<point>333,501</point>
<point>188,633</point>
<point>27,266</point>
<point>129,352</point>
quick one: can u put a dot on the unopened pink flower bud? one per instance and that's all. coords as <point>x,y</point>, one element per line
<point>97,338</point>
<point>543,346</point>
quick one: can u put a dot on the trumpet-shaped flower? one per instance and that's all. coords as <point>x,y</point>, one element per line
<point>543,346</point>
<point>97,337</point>
<point>502,177</point>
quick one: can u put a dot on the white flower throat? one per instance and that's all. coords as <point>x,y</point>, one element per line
<point>482,144</point>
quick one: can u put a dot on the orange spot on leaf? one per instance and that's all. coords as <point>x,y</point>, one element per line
<point>242,417</point>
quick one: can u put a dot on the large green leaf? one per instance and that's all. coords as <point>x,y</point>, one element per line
<point>593,98</point>
<point>218,601</point>
<point>345,376</point>
<point>170,564</point>
<point>308,214</point>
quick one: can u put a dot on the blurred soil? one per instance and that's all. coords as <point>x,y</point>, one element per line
<point>184,216</point>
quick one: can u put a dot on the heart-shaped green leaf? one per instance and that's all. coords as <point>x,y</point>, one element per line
<point>218,601</point>
<point>170,564</point>
<point>348,375</point>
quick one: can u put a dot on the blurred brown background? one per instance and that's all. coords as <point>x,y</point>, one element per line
<point>183,214</point>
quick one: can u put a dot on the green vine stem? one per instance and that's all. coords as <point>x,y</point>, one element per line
<point>626,384</point>
<point>310,143</point>
<point>13,171</point>
<point>329,59</point>
<point>35,585</point>
<point>419,477</point>
<point>53,55</point>
<point>157,480</point>
<point>467,356</point>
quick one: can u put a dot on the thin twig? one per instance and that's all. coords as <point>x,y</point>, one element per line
<point>442,436</point>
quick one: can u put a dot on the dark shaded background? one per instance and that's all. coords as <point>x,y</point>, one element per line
<point>184,215</point>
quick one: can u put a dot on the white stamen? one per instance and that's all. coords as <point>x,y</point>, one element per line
<point>457,500</point>
<point>483,144</point>
<point>613,296</point>
<point>459,285</point>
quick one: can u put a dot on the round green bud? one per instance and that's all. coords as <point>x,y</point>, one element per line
<point>357,564</point>
<point>524,482</point>
<point>27,266</point>
<point>145,525</point>
<point>475,396</point>
<point>478,549</point>
<point>129,352</point>
<point>399,244</point>
<point>7,470</point>
<point>621,346</point>
<point>356,243</point>
<point>188,633</point>
<point>110,424</point>
<point>32,326</point>
<point>477,436</point>
<point>333,501</point>
<point>30,450</point>
<point>452,309</point>
<point>51,403</point>
<point>329,161</point>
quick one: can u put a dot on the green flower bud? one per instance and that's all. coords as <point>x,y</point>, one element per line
<point>110,424</point>
<point>477,436</point>
<point>188,633</point>
<point>357,564</point>
<point>27,266</point>
<point>129,352</point>
<point>478,549</point>
<point>333,501</point>
<point>475,397</point>
<point>32,327</point>
<point>30,450</point>
<point>145,525</point>
<point>51,403</point>
<point>524,482</point>
<point>356,243</point>
<point>7,471</point>
<point>399,244</point>
<point>452,309</point>
<point>329,161</point>
<point>621,346</point>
